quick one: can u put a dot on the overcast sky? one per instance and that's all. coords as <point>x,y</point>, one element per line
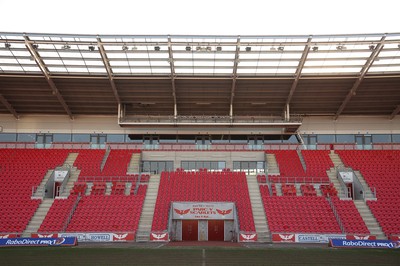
<point>200,16</point>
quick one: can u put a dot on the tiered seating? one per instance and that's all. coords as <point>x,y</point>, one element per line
<point>299,214</point>
<point>79,188</point>
<point>381,170</point>
<point>328,190</point>
<point>291,169</point>
<point>308,190</point>
<point>22,169</point>
<point>288,190</point>
<point>350,217</point>
<point>98,188</point>
<point>115,168</point>
<point>261,179</point>
<point>202,187</point>
<point>112,213</point>
<point>57,216</point>
<point>118,188</point>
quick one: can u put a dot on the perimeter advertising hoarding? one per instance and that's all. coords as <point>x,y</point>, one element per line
<point>38,242</point>
<point>344,243</point>
<point>101,237</point>
<point>304,238</point>
<point>202,210</point>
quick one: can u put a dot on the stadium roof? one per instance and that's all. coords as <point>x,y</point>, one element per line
<point>153,75</point>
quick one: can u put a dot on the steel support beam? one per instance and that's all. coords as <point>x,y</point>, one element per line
<point>361,76</point>
<point>45,71</point>
<point>173,75</point>
<point>8,106</point>
<point>109,70</point>
<point>297,74</point>
<point>395,112</point>
<point>234,76</point>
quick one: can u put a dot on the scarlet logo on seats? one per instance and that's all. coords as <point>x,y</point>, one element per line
<point>159,236</point>
<point>4,236</point>
<point>123,237</point>
<point>283,238</point>
<point>182,212</point>
<point>248,237</point>
<point>224,212</point>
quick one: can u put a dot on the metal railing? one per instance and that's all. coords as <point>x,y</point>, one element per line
<point>336,214</point>
<point>71,213</point>
<point>194,147</point>
<point>298,180</point>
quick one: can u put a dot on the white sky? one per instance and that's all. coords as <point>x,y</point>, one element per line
<point>218,17</point>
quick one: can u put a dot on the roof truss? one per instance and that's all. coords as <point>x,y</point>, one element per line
<point>9,107</point>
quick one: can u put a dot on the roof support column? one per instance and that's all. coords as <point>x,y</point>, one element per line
<point>173,75</point>
<point>9,106</point>
<point>234,77</point>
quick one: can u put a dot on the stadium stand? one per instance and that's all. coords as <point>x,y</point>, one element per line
<point>381,170</point>
<point>203,186</point>
<point>22,169</point>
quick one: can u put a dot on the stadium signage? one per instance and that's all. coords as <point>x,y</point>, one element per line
<point>59,176</point>
<point>247,237</point>
<point>44,235</point>
<point>101,237</point>
<point>159,236</point>
<point>206,211</point>
<point>360,237</point>
<point>3,236</point>
<point>22,242</point>
<point>344,243</point>
<point>304,238</point>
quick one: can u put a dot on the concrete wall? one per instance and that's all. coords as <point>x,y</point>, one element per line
<point>109,124</point>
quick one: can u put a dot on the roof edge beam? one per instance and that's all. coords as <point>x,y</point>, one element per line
<point>9,107</point>
<point>109,70</point>
<point>361,76</point>
<point>46,74</point>
<point>395,112</point>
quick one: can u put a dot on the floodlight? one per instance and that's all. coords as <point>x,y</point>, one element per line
<point>35,46</point>
<point>219,48</point>
<point>157,48</point>
<point>7,45</point>
<point>315,49</point>
<point>371,47</point>
<point>91,48</point>
<point>281,48</point>
<point>66,47</point>
<point>188,48</point>
<point>248,49</point>
<point>125,47</point>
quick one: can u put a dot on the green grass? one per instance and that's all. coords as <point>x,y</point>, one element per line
<point>194,256</point>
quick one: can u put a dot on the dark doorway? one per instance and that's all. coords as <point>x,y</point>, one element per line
<point>190,230</point>
<point>216,230</point>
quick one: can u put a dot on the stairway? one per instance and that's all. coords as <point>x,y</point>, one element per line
<point>260,220</point>
<point>367,191</point>
<point>39,193</point>
<point>73,174</point>
<point>134,164</point>
<point>369,219</point>
<point>278,187</point>
<point>273,168</point>
<point>38,217</point>
<point>332,171</point>
<point>146,218</point>
<point>108,188</point>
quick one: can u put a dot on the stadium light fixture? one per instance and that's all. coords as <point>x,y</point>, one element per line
<point>7,45</point>
<point>272,49</point>
<point>91,48</point>
<point>341,47</point>
<point>66,47</point>
<point>371,47</point>
<point>281,48</point>
<point>35,46</point>
<point>188,48</point>
<point>157,48</point>
<point>219,48</point>
<point>134,48</point>
<point>248,49</point>
<point>315,49</point>
<point>125,47</point>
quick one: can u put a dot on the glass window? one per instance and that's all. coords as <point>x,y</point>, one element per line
<point>192,166</point>
<point>396,138</point>
<point>214,166</point>
<point>80,138</point>
<point>185,165</point>
<point>326,138</point>
<point>384,138</point>
<point>8,137</point>
<point>62,137</point>
<point>22,137</point>
<point>146,166</point>
<point>345,139</point>
<point>115,138</point>
<point>292,139</point>
<point>170,166</point>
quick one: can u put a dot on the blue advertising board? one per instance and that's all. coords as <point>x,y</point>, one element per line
<point>37,242</point>
<point>343,243</point>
